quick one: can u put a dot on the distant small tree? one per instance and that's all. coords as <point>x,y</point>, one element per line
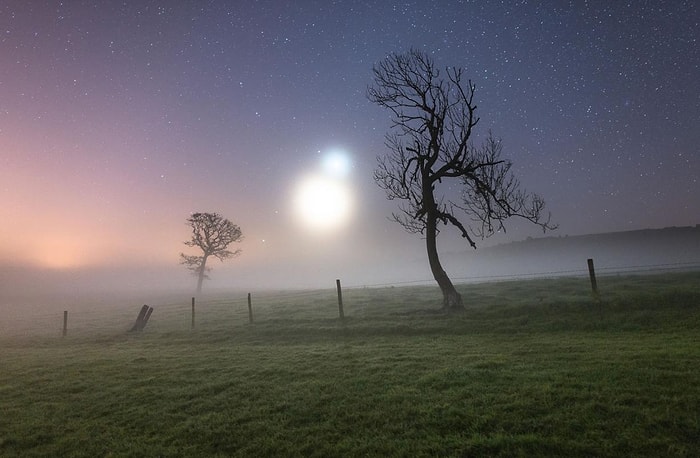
<point>212,233</point>
<point>430,143</point>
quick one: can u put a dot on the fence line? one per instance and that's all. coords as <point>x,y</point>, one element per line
<point>583,272</point>
<point>549,274</point>
<point>330,292</point>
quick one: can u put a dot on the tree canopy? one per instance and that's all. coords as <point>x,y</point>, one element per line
<point>433,118</point>
<point>211,233</point>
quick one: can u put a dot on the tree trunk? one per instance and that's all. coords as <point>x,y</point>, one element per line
<point>202,270</point>
<point>451,299</point>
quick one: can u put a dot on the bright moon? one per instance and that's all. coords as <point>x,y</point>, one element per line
<point>336,164</point>
<point>323,203</point>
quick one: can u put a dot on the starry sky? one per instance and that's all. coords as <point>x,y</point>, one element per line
<point>120,118</point>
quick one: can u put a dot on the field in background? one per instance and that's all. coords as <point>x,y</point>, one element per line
<point>532,368</point>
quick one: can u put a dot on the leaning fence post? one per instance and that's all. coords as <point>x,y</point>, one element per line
<point>192,327</point>
<point>594,283</point>
<point>340,299</point>
<point>146,318</point>
<point>142,318</point>
<point>65,322</point>
<point>250,309</point>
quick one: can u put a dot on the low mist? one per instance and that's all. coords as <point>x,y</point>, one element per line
<point>27,293</point>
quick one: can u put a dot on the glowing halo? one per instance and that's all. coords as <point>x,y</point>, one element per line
<point>322,203</point>
<point>336,164</point>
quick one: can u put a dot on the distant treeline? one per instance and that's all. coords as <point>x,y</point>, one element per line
<point>614,250</point>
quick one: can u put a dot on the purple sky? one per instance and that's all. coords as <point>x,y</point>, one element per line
<point>119,119</point>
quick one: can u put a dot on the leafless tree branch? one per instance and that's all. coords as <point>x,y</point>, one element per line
<point>433,118</point>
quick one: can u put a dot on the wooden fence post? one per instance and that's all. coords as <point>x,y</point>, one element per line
<point>594,283</point>
<point>146,318</point>
<point>142,318</point>
<point>340,299</point>
<point>192,327</point>
<point>250,309</point>
<point>65,322</point>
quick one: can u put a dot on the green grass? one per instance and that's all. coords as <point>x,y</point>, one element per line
<point>532,368</point>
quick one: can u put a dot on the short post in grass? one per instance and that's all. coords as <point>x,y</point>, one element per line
<point>250,310</point>
<point>192,327</point>
<point>594,283</point>
<point>340,299</point>
<point>65,322</point>
<point>142,318</point>
<point>147,317</point>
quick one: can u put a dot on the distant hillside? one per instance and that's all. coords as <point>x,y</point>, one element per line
<point>673,247</point>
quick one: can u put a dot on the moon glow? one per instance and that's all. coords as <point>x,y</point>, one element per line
<point>323,203</point>
<point>323,200</point>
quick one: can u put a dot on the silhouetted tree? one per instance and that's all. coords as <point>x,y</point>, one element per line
<point>433,118</point>
<point>212,233</point>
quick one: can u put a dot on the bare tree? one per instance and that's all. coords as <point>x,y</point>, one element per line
<point>432,122</point>
<point>212,233</point>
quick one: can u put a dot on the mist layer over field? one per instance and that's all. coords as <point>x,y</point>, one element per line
<point>29,297</point>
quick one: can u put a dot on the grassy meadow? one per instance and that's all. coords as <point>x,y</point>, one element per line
<point>533,368</point>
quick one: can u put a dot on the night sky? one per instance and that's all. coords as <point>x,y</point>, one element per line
<point>119,119</point>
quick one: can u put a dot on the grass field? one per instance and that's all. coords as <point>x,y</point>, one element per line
<point>533,368</point>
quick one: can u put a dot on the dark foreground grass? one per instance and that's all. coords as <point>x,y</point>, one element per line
<point>533,368</point>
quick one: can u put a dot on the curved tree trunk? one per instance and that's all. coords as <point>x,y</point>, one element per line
<point>202,270</point>
<point>451,299</point>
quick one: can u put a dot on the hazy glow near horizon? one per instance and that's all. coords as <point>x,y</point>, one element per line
<point>60,254</point>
